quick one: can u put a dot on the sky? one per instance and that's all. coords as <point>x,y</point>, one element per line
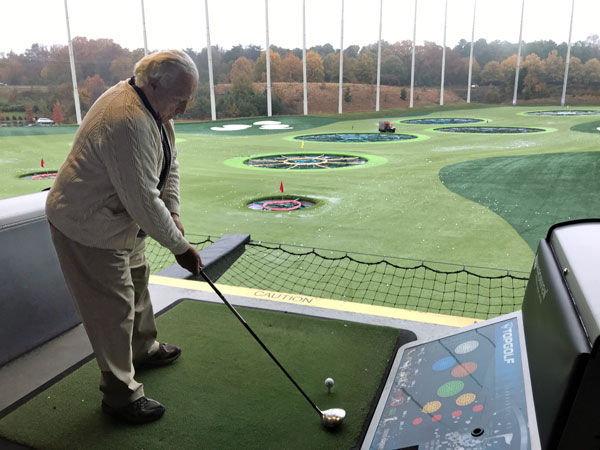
<point>182,24</point>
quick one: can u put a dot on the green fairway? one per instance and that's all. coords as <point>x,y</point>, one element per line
<point>399,208</point>
<point>225,392</point>
<point>525,190</point>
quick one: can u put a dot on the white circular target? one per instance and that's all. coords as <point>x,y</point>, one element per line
<point>231,127</point>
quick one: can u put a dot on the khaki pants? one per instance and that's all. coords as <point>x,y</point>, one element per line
<point>110,291</point>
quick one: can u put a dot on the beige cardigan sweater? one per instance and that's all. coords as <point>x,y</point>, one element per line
<point>107,187</point>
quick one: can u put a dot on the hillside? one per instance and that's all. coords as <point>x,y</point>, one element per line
<point>323,97</point>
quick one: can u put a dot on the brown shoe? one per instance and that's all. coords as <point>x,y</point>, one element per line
<point>143,410</point>
<point>165,355</point>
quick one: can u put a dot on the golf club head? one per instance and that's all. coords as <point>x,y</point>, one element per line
<point>332,417</point>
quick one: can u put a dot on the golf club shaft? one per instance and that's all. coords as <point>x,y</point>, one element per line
<point>241,319</point>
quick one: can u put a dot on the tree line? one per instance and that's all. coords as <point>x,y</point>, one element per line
<point>44,76</point>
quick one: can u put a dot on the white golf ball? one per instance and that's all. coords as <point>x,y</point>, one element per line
<point>329,382</point>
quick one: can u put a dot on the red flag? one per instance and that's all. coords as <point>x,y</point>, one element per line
<point>42,162</point>
<point>281,187</point>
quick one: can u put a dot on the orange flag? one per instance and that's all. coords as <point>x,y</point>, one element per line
<point>281,187</point>
<point>42,162</point>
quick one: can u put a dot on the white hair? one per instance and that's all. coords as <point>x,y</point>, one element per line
<point>164,68</point>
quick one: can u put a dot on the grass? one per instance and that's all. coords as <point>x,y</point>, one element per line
<point>401,208</point>
<point>524,190</point>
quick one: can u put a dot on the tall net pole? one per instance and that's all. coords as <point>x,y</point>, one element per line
<point>444,55</point>
<point>568,60</point>
<point>471,55</point>
<point>518,65</point>
<point>144,29</point>
<point>304,56</point>
<point>412,66</point>
<point>211,81</point>
<point>268,59</point>
<point>379,55</point>
<point>341,74</point>
<point>73,72</point>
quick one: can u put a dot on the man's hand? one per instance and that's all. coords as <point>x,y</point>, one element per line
<point>177,221</point>
<point>190,260</point>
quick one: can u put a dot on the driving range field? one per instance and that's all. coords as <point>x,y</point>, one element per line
<point>482,198</point>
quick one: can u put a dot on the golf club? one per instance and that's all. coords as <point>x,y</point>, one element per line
<point>329,418</point>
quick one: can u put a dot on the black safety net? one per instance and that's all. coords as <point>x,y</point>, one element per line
<point>371,279</point>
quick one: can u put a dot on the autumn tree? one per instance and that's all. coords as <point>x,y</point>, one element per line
<point>314,67</point>
<point>331,67</point>
<point>591,71</point>
<point>509,68</point>
<point>463,71</point>
<point>533,82</point>
<point>57,114</point>
<point>349,69</point>
<point>12,69</point>
<point>393,71</point>
<point>242,72</point>
<point>291,68</point>
<point>428,64</point>
<point>29,114</point>
<point>121,68</point>
<point>453,68</point>
<point>554,68</point>
<point>94,56</point>
<point>260,67</point>
<point>93,87</point>
<point>576,71</point>
<point>365,69</point>
<point>56,70</point>
<point>492,74</point>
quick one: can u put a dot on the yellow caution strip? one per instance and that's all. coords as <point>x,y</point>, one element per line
<point>338,305</point>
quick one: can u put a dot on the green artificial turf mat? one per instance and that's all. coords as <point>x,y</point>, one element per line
<point>531,192</point>
<point>225,392</point>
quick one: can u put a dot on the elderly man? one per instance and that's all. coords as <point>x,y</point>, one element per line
<point>119,183</point>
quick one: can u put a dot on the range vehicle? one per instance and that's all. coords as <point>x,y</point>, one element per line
<point>386,127</point>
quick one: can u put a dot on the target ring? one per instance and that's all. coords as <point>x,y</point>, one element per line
<point>564,112</point>
<point>281,204</point>
<point>39,176</point>
<point>490,130</point>
<point>300,161</point>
